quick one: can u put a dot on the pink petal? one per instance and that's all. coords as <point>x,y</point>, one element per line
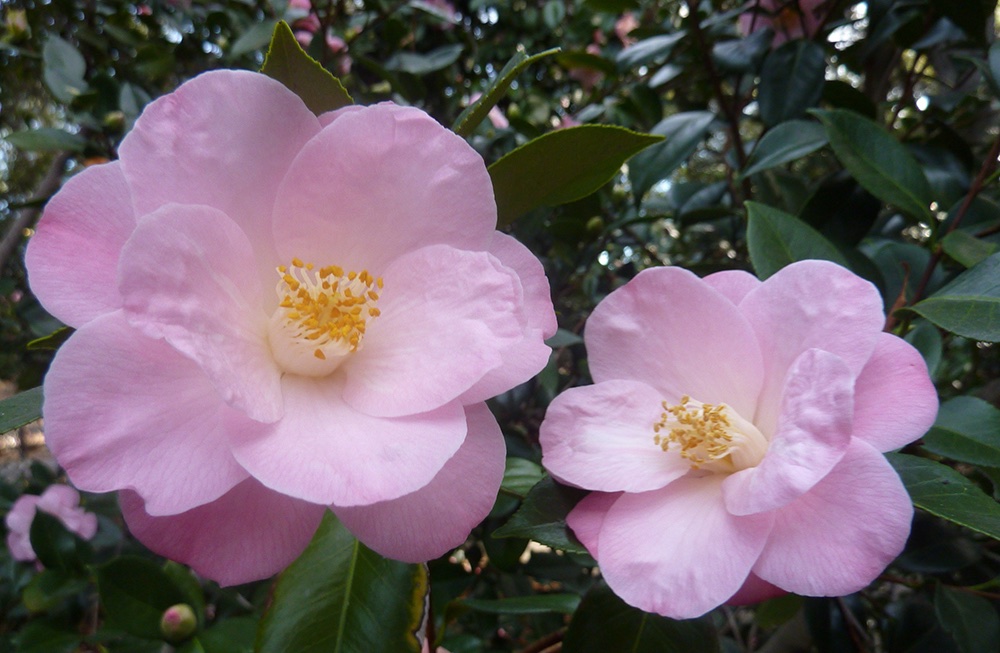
<point>379,182</point>
<point>63,502</point>
<point>600,437</point>
<point>755,590</point>
<point>810,305</point>
<point>838,538</point>
<point>72,259</point>
<point>734,284</point>
<point>124,411</point>
<point>448,316</point>
<point>894,400</point>
<point>184,277</point>
<point>677,551</point>
<point>526,358</point>
<point>674,332</point>
<point>18,521</point>
<point>813,432</point>
<point>587,518</point>
<point>439,516</point>
<point>223,139</point>
<point>248,534</point>
<point>323,451</point>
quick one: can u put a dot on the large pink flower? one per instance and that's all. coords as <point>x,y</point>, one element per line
<point>278,312</point>
<point>733,437</point>
<point>60,501</point>
<point>789,19</point>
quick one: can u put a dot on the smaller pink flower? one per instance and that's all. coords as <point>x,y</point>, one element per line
<point>733,437</point>
<point>624,26</point>
<point>307,26</point>
<point>588,77</point>
<point>60,501</point>
<point>495,115</point>
<point>790,19</point>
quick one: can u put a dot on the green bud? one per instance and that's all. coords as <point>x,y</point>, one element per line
<point>178,623</point>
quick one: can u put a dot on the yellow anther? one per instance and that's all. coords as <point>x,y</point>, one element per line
<point>297,262</point>
<point>699,433</point>
<point>319,354</point>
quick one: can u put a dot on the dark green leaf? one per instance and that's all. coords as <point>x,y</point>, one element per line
<point>234,635</point>
<point>648,50</point>
<point>994,61</point>
<point>742,55</point>
<point>254,38</point>
<point>20,409</point>
<point>970,619</point>
<point>135,592</point>
<point>776,239</point>
<point>787,142</point>
<point>340,597</point>
<point>605,623</point>
<point>520,476</point>
<point>50,588</point>
<point>53,635</point>
<point>967,429</point>
<point>47,139</point>
<point>927,340</point>
<point>56,547</point>
<point>422,64</point>
<point>474,114</point>
<point>878,161</point>
<point>791,81</point>
<point>52,341</point>
<point>581,59</point>
<point>541,603</point>
<point>682,133</point>
<point>288,63</point>
<point>561,166</point>
<point>553,13</point>
<point>774,612</point>
<point>64,68</point>
<point>542,516</point>
<point>970,305</point>
<point>966,248</point>
<point>942,491</point>
<point>563,338</point>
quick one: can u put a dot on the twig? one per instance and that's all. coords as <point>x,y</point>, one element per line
<point>29,214</point>
<point>857,633</point>
<point>546,643</point>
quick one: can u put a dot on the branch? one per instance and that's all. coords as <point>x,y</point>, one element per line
<point>27,216</point>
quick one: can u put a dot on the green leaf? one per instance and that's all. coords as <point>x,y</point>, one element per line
<point>520,476</point>
<point>742,55</point>
<point>234,635</point>
<point>648,50</point>
<point>605,623</point>
<point>288,63</point>
<point>967,249</point>
<point>993,57</point>
<point>787,142</point>
<point>542,516</point>
<point>971,620</point>
<point>476,112</point>
<point>423,64</point>
<point>341,597</point>
<point>776,239</point>
<point>537,604</point>
<point>682,133</point>
<point>57,547</point>
<point>134,593</point>
<point>966,430</point>
<point>927,339</point>
<point>942,491</point>
<point>970,305</point>
<point>63,69</point>
<point>50,588</point>
<point>22,408</point>
<point>791,81</point>
<point>561,166</point>
<point>52,341</point>
<point>254,38</point>
<point>52,635</point>
<point>47,139</point>
<point>880,163</point>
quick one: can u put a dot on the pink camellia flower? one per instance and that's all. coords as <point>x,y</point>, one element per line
<point>277,312</point>
<point>733,437</point>
<point>60,501</point>
<point>625,25</point>
<point>790,19</point>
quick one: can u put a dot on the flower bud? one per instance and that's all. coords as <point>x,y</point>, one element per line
<point>178,623</point>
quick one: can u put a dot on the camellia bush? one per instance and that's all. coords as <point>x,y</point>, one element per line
<point>590,326</point>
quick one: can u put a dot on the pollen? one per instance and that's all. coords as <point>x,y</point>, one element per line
<point>700,433</point>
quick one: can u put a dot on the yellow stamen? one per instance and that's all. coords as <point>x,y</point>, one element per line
<point>699,434</point>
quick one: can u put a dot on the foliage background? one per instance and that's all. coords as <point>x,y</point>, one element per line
<point>873,143</point>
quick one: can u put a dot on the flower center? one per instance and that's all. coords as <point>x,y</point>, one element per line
<point>321,316</point>
<point>712,436</point>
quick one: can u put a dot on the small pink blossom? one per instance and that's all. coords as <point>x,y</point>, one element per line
<point>588,77</point>
<point>60,501</point>
<point>278,313</point>
<point>624,26</point>
<point>733,437</point>
<point>789,19</point>
<point>495,116</point>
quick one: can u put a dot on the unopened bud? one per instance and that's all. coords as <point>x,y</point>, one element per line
<point>178,623</point>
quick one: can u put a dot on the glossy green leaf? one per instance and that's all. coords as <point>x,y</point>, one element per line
<point>235,635</point>
<point>57,547</point>
<point>64,68</point>
<point>791,81</point>
<point>970,305</point>
<point>255,38</point>
<point>993,58</point>
<point>967,429</point>
<point>52,635</point>
<point>22,408</point>
<point>520,476</point>
<point>785,143</point>
<point>341,597</point>
<point>681,132</point>
<point>134,594</point>
<point>926,338</point>
<point>52,341</point>
<point>542,516</point>
<point>47,139</point>
<point>561,166</point>
<point>942,491</point>
<point>605,623</point>
<point>537,604</point>
<point>776,238</point>
<point>288,63</point>
<point>742,55</point>
<point>416,63</point>
<point>476,112</point>
<point>971,620</point>
<point>967,249</point>
<point>648,50</point>
<point>880,163</point>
